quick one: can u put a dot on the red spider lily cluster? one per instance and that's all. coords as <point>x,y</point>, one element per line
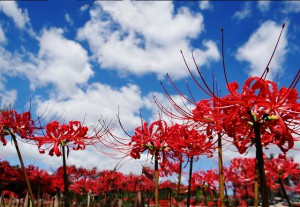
<point>169,142</point>
<point>282,168</point>
<point>206,180</point>
<point>260,103</point>
<point>259,114</point>
<point>81,181</point>
<point>53,136</point>
<point>276,110</point>
<point>239,176</point>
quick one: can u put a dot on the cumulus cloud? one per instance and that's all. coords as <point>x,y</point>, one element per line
<point>61,62</point>
<point>11,9</point>
<point>143,37</point>
<point>99,101</point>
<point>259,47</point>
<point>244,12</point>
<point>12,64</point>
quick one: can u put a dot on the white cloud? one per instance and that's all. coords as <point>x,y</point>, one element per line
<point>263,5</point>
<point>69,19</point>
<point>205,4</point>
<point>291,7</point>
<point>12,64</point>
<point>244,13</point>
<point>2,35</point>
<point>61,62</point>
<point>98,101</point>
<point>84,7</point>
<point>258,49</point>
<point>19,16</point>
<point>143,37</point>
<point>8,98</point>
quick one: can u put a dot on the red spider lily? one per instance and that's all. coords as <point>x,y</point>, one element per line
<point>165,170</point>
<point>107,181</point>
<point>168,168</point>
<point>241,171</point>
<point>151,138</point>
<point>155,139</point>
<point>19,124</point>
<point>60,136</point>
<point>41,182</point>
<point>8,175</point>
<point>167,184</point>
<point>206,180</point>
<point>83,186</point>
<point>58,180</point>
<point>262,115</point>
<point>139,183</point>
<point>241,175</point>
<point>277,111</point>
<point>84,181</point>
<point>128,183</point>
<point>73,134</point>
<point>279,168</point>
<point>189,141</point>
<point>10,194</point>
<point>295,189</point>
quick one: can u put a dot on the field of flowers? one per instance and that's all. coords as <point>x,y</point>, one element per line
<point>258,115</point>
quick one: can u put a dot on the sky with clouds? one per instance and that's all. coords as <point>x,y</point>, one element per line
<point>84,60</point>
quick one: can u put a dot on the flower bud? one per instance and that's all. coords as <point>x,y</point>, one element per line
<point>272,117</point>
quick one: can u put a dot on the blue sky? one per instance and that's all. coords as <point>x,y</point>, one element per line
<point>85,59</point>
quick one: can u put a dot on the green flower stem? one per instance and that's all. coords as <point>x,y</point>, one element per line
<point>261,165</point>
<point>284,192</point>
<point>13,136</point>
<point>65,175</point>
<point>179,182</point>
<point>156,178</point>
<point>190,182</point>
<point>221,177</point>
